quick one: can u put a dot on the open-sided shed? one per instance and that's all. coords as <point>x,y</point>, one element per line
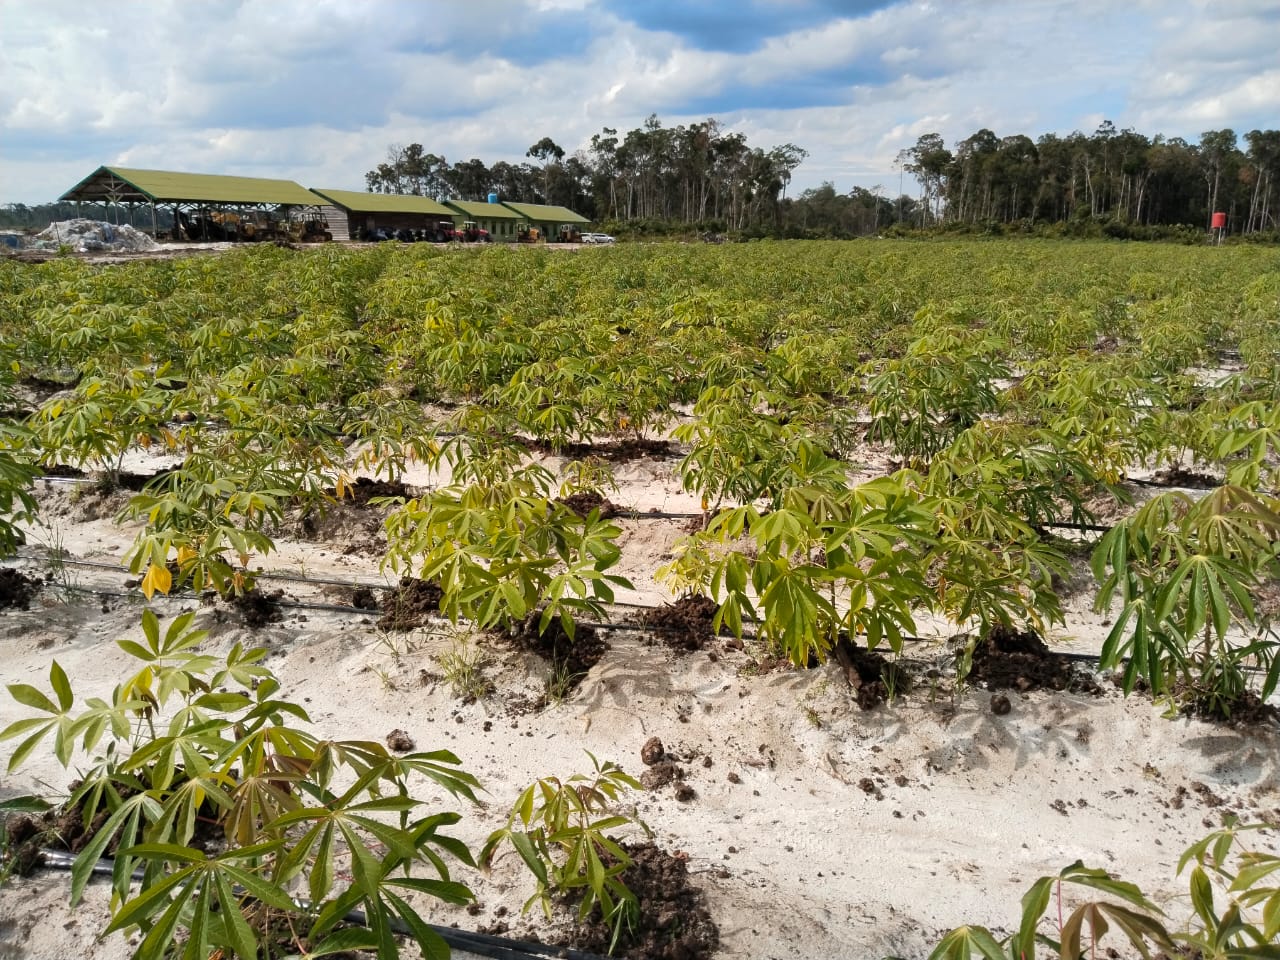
<point>549,219</point>
<point>130,188</point>
<point>365,213</point>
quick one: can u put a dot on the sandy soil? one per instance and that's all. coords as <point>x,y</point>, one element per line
<point>817,830</point>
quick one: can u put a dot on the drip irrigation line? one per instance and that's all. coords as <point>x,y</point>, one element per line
<point>263,575</point>
<point>662,515</point>
<point>482,944</point>
<point>607,625</point>
<point>635,626</point>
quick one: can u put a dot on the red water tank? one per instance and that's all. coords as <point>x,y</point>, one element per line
<point>1219,221</point>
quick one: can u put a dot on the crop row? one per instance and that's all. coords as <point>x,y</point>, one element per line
<point>1014,385</point>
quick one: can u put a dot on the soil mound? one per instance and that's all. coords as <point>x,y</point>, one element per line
<point>869,673</point>
<point>583,503</point>
<point>364,489</point>
<point>17,590</point>
<point>569,656</point>
<point>685,625</point>
<point>258,608</point>
<point>1187,479</point>
<point>617,451</point>
<point>674,924</point>
<point>409,605</point>
<point>1008,659</point>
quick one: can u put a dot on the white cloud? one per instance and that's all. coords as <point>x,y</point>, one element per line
<point>315,91</point>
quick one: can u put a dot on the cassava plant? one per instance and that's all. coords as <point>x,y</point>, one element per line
<point>238,819</point>
<point>561,830</point>
<point>1233,891</point>
<point>503,550</point>
<point>17,504</point>
<point>827,561</point>
<point>1183,573</point>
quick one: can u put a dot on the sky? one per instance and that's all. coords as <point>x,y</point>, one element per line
<point>318,90</point>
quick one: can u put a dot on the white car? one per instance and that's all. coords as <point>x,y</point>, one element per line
<point>597,238</point>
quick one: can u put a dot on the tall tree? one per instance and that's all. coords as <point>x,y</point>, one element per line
<point>547,152</point>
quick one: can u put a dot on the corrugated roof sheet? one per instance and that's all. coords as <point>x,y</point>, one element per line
<point>384,202</point>
<point>545,213</point>
<point>112,183</point>
<point>476,209</point>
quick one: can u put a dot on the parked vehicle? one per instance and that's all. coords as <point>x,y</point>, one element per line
<point>597,238</point>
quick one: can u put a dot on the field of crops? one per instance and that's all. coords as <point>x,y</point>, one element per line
<point>857,483</point>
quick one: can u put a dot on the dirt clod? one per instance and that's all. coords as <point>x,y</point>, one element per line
<point>661,774</point>
<point>652,752</point>
<point>362,598</point>
<point>1000,704</point>
<point>399,741</point>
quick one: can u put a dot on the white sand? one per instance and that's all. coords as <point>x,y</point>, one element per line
<point>966,808</point>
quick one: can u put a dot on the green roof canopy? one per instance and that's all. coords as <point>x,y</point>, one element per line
<point>359,202</point>
<point>476,210</point>
<point>126,185</point>
<point>544,213</point>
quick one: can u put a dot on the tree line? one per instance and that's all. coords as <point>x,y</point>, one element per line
<point>695,174</point>
<point>1112,175</point>
<point>703,175</point>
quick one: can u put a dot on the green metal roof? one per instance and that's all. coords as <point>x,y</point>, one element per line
<point>125,185</point>
<point>545,213</point>
<point>384,202</point>
<point>476,210</point>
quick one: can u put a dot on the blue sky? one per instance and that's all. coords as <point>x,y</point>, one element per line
<point>317,90</point>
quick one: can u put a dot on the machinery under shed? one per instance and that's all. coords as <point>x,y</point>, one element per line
<point>212,207</point>
<point>207,206</point>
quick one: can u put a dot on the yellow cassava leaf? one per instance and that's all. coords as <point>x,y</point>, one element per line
<point>157,578</point>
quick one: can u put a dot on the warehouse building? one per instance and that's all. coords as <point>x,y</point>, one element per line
<point>552,223</point>
<point>353,215</point>
<point>498,218</point>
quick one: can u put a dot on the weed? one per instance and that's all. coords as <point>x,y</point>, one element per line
<point>463,668</point>
<point>559,683</point>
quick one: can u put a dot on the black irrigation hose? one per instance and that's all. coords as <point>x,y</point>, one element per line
<point>483,944</point>
<point>631,627</point>
<point>266,575</point>
<point>661,515</point>
<point>596,624</point>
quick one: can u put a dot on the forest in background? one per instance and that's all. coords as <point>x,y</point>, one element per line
<point>657,180</point>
